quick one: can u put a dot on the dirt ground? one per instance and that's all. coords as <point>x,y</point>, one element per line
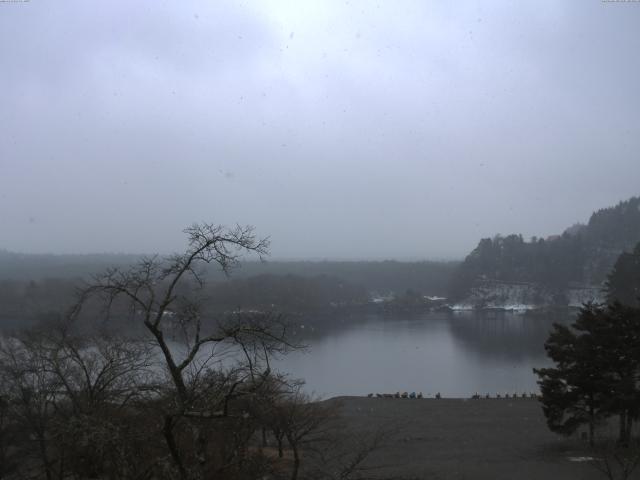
<point>467,439</point>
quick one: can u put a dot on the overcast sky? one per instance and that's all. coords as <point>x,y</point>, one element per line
<point>341,129</point>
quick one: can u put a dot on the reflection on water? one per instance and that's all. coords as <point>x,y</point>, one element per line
<point>455,354</point>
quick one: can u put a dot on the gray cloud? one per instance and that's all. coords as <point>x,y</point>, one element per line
<point>342,129</point>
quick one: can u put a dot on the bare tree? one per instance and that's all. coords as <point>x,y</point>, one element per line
<point>189,400</point>
<point>616,461</point>
<point>211,363</point>
<point>68,396</point>
<point>347,454</point>
<point>152,287</point>
<point>321,445</point>
<point>296,417</point>
<point>29,396</point>
<point>8,435</point>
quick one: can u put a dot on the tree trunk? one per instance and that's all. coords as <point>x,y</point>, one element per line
<point>624,434</point>
<point>45,458</point>
<point>201,449</point>
<point>167,431</point>
<point>280,449</point>
<point>592,421</point>
<point>174,371</point>
<point>296,461</point>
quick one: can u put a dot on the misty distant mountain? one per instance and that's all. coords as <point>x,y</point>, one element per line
<point>582,255</point>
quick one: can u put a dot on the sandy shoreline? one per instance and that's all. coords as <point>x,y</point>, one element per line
<point>467,439</point>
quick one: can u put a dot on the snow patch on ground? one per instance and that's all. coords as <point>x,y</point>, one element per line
<point>522,297</point>
<point>505,296</point>
<point>459,307</point>
<point>579,296</point>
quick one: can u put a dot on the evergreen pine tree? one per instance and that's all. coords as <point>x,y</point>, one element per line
<point>623,283</point>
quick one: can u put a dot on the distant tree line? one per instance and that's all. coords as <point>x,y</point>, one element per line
<point>285,293</point>
<point>431,277</point>
<point>583,254</point>
<point>24,301</point>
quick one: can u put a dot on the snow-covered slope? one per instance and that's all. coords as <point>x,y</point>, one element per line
<point>525,296</point>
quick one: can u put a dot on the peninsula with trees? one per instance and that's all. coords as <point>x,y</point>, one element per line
<point>561,270</point>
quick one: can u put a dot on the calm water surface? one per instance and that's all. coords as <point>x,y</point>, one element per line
<point>455,354</point>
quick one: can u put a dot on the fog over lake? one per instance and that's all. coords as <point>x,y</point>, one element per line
<point>456,354</point>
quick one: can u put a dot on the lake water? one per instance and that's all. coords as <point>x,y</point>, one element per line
<point>456,354</point>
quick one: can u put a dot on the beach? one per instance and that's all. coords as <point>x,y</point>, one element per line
<point>466,439</point>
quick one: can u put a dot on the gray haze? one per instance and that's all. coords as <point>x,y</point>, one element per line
<point>340,129</point>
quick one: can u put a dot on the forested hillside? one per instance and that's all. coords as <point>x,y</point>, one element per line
<point>583,254</point>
